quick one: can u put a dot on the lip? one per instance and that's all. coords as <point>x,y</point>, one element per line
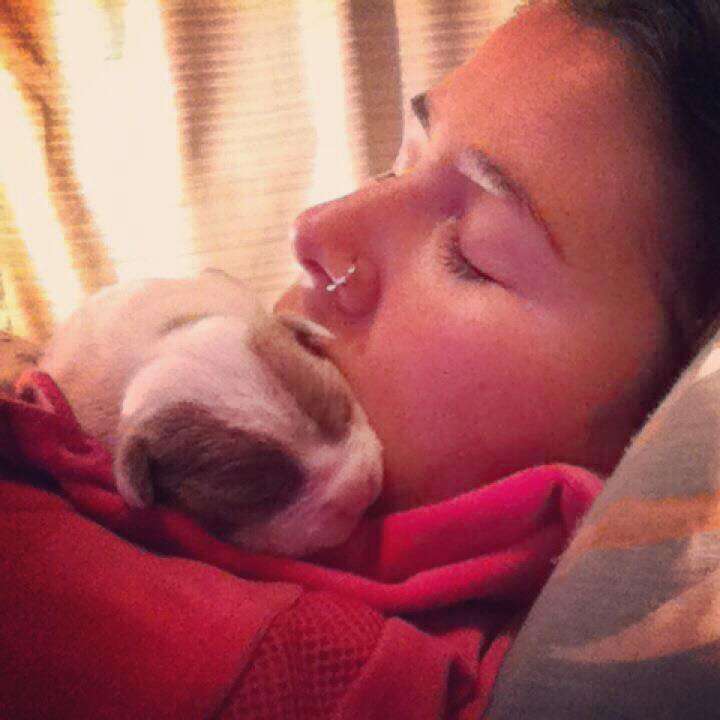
<point>306,298</point>
<point>319,305</point>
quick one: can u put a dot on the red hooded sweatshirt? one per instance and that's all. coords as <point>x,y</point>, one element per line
<point>112,612</point>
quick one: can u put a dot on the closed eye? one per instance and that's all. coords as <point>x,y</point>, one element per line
<point>182,321</point>
<point>452,256</point>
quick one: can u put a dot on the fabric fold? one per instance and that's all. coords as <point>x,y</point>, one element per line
<point>497,543</point>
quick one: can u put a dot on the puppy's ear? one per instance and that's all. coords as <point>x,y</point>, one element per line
<point>187,458</point>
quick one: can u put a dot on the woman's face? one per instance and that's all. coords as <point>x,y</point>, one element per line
<point>505,309</point>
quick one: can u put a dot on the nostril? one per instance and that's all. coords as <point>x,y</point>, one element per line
<point>317,275</point>
<point>338,276</point>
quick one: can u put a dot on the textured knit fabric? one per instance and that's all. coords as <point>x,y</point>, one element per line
<point>410,619</point>
<point>308,658</point>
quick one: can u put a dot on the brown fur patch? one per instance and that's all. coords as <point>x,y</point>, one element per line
<point>310,380</point>
<point>225,477</point>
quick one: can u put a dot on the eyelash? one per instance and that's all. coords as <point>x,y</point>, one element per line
<point>451,253</point>
<point>453,258</point>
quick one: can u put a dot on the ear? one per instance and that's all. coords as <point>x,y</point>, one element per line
<point>183,456</point>
<point>133,476</point>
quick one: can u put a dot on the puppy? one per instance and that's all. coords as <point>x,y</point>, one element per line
<point>214,407</point>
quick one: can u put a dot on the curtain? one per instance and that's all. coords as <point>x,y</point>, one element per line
<point>146,138</point>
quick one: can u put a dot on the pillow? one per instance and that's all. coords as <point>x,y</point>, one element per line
<point>629,624</point>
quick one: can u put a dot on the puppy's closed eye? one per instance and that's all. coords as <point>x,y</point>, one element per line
<point>181,321</point>
<point>185,457</point>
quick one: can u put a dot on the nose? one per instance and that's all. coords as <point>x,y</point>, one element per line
<point>340,247</point>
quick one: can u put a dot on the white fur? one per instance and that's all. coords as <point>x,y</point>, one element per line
<point>114,363</point>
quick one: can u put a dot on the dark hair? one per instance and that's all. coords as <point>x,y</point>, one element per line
<point>676,44</point>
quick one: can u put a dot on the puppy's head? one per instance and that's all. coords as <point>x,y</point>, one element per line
<point>251,430</point>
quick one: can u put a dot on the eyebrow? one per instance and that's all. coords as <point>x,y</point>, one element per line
<point>473,162</point>
<point>420,110</point>
<point>478,167</point>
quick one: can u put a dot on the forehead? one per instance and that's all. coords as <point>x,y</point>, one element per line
<point>559,108</point>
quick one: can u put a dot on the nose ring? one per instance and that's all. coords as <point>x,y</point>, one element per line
<point>335,284</point>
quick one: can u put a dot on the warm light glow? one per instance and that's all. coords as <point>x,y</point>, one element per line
<point>137,84</point>
<point>504,10</point>
<point>12,320</point>
<point>124,123</point>
<point>711,364</point>
<point>333,175</point>
<point>22,173</point>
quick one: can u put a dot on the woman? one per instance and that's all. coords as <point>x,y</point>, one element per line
<point>520,290</point>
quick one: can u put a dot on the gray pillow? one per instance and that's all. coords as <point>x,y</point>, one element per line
<point>629,624</point>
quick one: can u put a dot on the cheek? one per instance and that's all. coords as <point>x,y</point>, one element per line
<point>451,396</point>
<point>466,383</point>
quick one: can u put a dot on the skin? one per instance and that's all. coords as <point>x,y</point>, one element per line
<point>558,353</point>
